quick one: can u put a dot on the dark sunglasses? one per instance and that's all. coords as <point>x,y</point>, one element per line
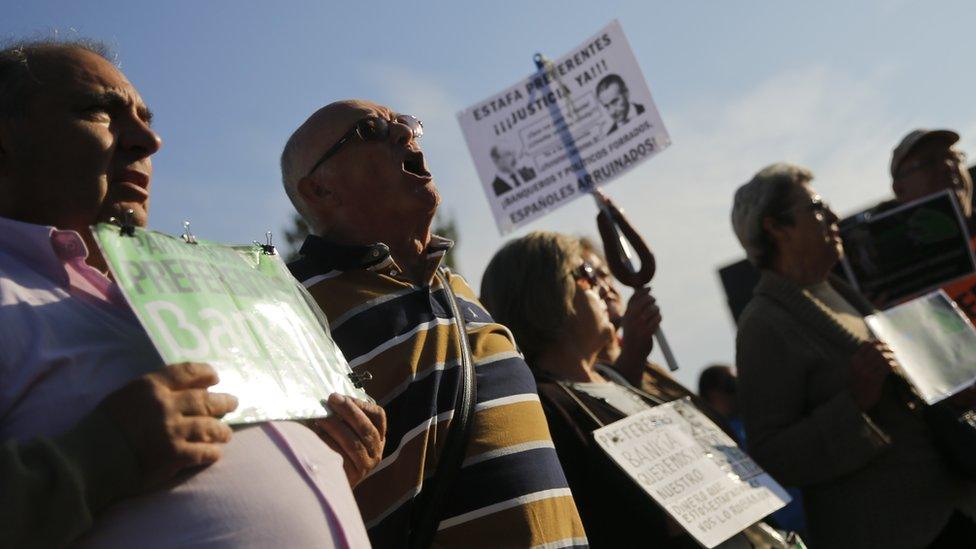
<point>586,272</point>
<point>371,128</point>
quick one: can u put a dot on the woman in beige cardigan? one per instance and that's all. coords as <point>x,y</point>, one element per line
<point>822,408</point>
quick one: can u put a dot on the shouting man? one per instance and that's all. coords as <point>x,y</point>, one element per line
<point>355,172</point>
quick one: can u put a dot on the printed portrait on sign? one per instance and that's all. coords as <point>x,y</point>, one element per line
<point>613,95</point>
<point>509,174</point>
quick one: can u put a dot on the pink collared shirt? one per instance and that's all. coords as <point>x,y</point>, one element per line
<point>68,339</point>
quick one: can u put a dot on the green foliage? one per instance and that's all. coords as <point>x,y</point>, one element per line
<point>445,225</point>
<point>294,236</point>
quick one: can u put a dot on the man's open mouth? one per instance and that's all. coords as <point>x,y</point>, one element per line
<point>414,164</point>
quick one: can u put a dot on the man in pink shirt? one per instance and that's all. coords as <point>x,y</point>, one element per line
<point>91,420</point>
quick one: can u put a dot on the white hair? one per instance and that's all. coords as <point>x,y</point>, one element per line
<point>767,194</point>
<point>292,171</point>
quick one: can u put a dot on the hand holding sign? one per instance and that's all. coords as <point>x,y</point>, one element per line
<point>870,365</point>
<point>237,309</point>
<point>640,322</point>
<point>170,419</point>
<point>357,431</point>
<point>617,247</point>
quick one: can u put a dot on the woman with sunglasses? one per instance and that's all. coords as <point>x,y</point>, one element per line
<point>540,287</point>
<point>822,408</point>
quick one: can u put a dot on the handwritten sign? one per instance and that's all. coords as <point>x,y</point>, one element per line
<point>693,470</point>
<point>236,308</point>
<point>583,121</point>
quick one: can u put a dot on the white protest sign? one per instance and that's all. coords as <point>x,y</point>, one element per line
<point>693,470</point>
<point>546,140</point>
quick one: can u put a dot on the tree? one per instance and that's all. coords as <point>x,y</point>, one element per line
<point>446,226</point>
<point>294,236</point>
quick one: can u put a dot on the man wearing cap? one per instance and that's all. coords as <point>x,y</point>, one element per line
<point>927,162</point>
<point>355,171</point>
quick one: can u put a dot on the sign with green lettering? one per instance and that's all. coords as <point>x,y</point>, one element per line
<point>236,308</point>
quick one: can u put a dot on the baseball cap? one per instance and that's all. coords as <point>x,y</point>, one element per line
<point>915,137</point>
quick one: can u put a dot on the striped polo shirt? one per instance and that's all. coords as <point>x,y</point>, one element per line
<point>511,491</point>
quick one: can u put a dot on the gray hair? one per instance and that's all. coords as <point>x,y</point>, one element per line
<point>768,194</point>
<point>18,82</point>
<point>292,171</point>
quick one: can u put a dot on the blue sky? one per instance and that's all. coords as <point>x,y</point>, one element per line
<point>832,85</point>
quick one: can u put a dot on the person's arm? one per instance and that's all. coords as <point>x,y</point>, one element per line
<point>52,488</point>
<point>796,445</point>
<point>140,436</point>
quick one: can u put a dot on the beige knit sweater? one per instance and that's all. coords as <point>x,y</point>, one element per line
<point>868,480</point>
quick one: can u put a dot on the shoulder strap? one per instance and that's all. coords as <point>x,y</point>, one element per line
<point>430,501</point>
<point>569,391</point>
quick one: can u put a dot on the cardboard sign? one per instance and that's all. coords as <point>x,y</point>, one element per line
<point>585,120</point>
<point>693,470</point>
<point>908,250</point>
<point>934,342</point>
<point>237,309</point>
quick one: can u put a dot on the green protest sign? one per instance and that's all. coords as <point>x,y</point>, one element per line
<point>934,342</point>
<point>236,308</point>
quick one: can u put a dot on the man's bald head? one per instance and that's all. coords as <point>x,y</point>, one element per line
<point>366,186</point>
<point>323,128</point>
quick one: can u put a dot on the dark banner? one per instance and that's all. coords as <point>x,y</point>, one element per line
<point>907,250</point>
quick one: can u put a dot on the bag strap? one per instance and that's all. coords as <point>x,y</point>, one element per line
<point>430,501</point>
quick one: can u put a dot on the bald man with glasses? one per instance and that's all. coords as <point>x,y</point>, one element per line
<point>357,174</point>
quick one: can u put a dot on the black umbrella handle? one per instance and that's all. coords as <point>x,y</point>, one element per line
<point>619,238</point>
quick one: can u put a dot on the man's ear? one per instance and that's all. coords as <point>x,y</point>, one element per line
<point>316,193</point>
<point>772,228</point>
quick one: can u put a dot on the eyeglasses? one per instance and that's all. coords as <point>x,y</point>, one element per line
<point>956,158</point>
<point>587,273</point>
<point>371,128</point>
<point>821,210</point>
